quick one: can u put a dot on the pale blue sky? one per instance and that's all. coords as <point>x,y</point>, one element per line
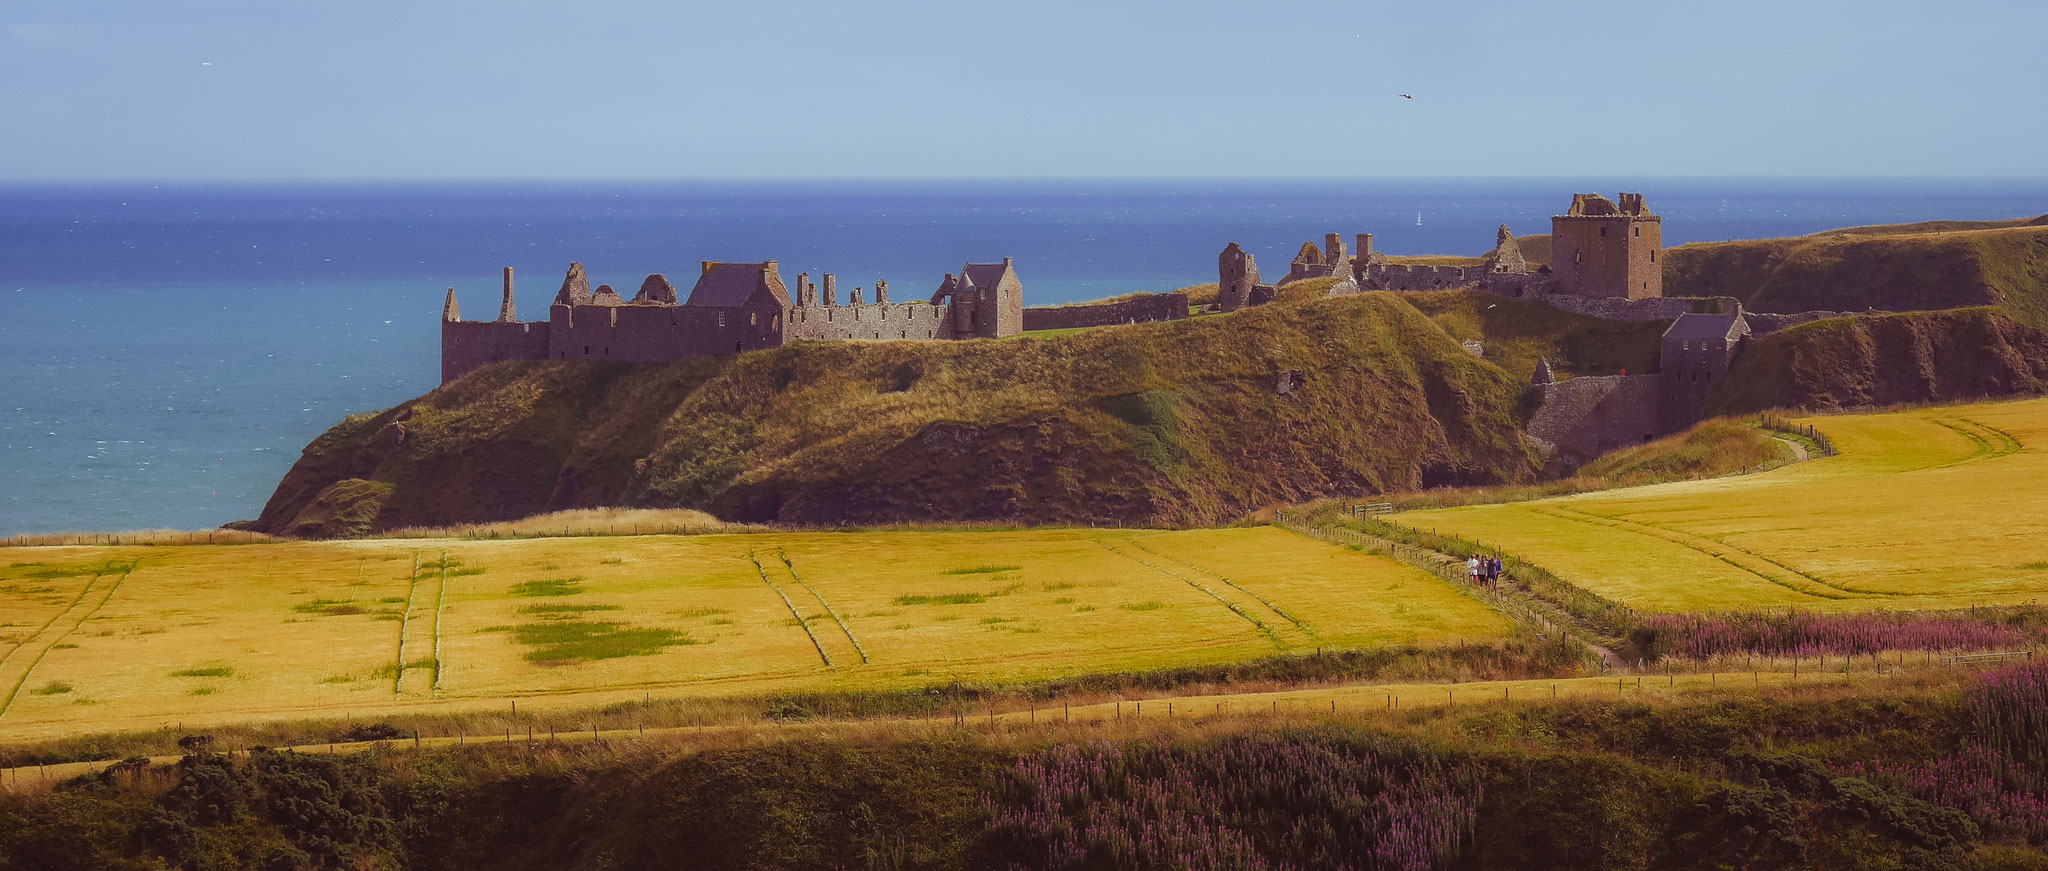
<point>1019,89</point>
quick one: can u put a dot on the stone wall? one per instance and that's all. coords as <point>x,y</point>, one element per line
<point>902,320</point>
<point>1401,276</point>
<point>1591,415</point>
<point>656,333</point>
<point>1638,310</point>
<point>1140,309</point>
<point>467,345</point>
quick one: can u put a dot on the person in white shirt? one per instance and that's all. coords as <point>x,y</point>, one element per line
<point>1472,569</point>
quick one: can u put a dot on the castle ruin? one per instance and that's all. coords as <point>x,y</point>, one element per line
<point>732,308</point>
<point>1605,264</point>
<point>1600,249</point>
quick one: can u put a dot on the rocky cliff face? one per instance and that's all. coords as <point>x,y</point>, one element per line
<point>1180,422</point>
<point>1913,357</point>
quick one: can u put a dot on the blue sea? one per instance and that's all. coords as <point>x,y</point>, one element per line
<point>167,349</point>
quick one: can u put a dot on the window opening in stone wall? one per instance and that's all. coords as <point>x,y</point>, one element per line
<point>721,320</point>
<point>1577,258</point>
<point>1603,232</point>
<point>586,350</point>
<point>1653,256</point>
<point>1639,231</point>
<point>735,347</point>
<point>753,319</point>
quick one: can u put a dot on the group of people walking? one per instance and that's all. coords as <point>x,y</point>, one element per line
<point>1485,570</point>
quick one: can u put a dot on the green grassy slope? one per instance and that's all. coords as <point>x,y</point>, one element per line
<point>1169,422</point>
<point>1518,332</point>
<point>1908,357</point>
<point>1884,268</point>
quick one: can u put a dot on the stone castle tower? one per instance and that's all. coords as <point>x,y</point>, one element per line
<point>1599,248</point>
<point>1236,274</point>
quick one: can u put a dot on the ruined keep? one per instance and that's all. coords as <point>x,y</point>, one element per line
<point>732,307</point>
<point>1237,278</point>
<point>1598,248</point>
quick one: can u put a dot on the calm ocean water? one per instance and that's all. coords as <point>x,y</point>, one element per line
<point>168,349</point>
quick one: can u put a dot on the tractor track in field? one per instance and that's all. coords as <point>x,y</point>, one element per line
<point>791,568</point>
<point>1299,623</point>
<point>8,703</point>
<point>1691,542</point>
<point>82,593</point>
<point>793,613</point>
<point>1262,626</point>
<point>1998,442</point>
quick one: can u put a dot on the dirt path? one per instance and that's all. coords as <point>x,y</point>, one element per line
<point>1519,606</point>
<point>1798,450</point>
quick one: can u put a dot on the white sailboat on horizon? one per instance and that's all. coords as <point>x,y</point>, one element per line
<point>1418,217</point>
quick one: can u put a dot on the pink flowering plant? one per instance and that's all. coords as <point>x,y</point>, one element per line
<point>1278,801</point>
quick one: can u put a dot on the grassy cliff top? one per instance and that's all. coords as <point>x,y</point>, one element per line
<point>1178,422</point>
<point>1896,268</point>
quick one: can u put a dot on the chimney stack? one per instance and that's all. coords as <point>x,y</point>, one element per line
<point>831,289</point>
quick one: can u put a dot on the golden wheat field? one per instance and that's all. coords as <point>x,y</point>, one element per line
<point>1932,508</point>
<point>138,637</point>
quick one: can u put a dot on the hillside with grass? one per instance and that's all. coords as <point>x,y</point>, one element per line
<point>1178,422</point>
<point>1908,357</point>
<point>1519,332</point>
<point>1918,267</point>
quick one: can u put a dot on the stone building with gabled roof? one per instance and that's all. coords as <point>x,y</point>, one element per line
<point>1696,354</point>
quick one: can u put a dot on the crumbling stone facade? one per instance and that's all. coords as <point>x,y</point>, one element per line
<point>1330,261</point>
<point>1237,277</point>
<point>1599,248</point>
<point>1506,257</point>
<point>733,307</point>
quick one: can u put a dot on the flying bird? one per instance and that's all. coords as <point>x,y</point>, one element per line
<point>1407,97</point>
<point>205,64</point>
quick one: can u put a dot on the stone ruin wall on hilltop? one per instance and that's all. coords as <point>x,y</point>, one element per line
<point>1594,414</point>
<point>1146,308</point>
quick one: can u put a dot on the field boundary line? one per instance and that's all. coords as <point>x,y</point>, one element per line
<point>16,692</point>
<point>440,600</point>
<point>82,593</point>
<point>1529,610</point>
<point>1258,624</point>
<point>800,622</point>
<point>1682,540</point>
<point>791,567</point>
<point>411,592</point>
<point>1298,622</point>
